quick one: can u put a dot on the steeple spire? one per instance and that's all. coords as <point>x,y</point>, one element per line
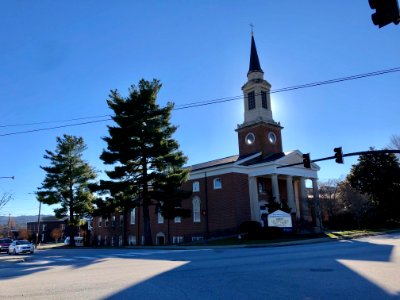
<point>254,61</point>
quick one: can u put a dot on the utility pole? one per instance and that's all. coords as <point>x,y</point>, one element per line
<point>9,226</point>
<point>38,225</point>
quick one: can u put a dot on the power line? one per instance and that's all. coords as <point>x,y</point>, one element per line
<point>200,103</point>
<point>51,128</point>
<point>49,122</point>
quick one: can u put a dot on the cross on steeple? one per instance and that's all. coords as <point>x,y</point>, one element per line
<point>252,28</point>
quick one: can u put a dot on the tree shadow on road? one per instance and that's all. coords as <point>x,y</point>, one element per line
<point>306,275</point>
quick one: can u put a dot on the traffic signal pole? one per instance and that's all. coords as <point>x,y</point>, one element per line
<point>373,152</point>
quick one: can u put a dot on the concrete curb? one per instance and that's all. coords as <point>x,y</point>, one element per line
<point>18,259</point>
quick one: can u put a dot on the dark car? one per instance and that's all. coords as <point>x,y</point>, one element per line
<point>4,244</point>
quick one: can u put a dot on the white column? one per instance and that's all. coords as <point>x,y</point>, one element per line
<point>297,198</point>
<point>317,207</point>
<point>275,188</point>
<point>290,193</point>
<point>253,195</point>
<point>305,211</point>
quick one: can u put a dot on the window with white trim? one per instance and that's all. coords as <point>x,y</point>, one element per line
<point>121,220</point>
<point>160,218</point>
<point>217,184</point>
<point>106,223</point>
<point>113,221</point>
<point>196,186</point>
<point>133,215</point>
<point>251,100</point>
<point>196,209</point>
<point>177,239</point>
<point>178,219</point>
<point>132,240</point>
<point>197,238</point>
<point>264,101</point>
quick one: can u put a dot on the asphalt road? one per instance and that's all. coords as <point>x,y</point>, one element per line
<point>367,268</point>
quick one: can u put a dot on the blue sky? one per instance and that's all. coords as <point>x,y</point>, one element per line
<point>59,60</point>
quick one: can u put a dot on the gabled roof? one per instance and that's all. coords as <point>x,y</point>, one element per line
<point>259,159</point>
<point>214,163</point>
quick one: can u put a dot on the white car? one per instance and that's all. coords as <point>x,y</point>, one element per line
<point>20,246</point>
<point>78,241</point>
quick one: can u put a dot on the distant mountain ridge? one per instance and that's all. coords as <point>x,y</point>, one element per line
<point>20,221</point>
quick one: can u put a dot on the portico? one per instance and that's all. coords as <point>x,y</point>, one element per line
<point>269,182</point>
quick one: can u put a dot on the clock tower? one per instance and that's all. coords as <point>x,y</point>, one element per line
<point>259,132</point>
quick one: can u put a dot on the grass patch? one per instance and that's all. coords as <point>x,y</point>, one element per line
<point>355,233</point>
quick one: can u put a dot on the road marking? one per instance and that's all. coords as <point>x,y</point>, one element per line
<point>64,259</point>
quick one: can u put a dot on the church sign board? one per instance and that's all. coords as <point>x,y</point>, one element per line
<point>279,219</point>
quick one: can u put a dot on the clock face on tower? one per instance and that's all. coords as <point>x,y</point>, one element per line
<point>261,138</point>
<point>250,138</point>
<point>271,137</point>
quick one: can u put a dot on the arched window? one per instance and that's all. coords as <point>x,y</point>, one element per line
<point>160,238</point>
<point>196,209</point>
<point>196,186</point>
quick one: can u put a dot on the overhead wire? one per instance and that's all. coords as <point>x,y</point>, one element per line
<point>196,104</point>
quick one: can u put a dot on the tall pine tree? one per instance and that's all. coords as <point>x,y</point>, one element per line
<point>141,148</point>
<point>66,182</point>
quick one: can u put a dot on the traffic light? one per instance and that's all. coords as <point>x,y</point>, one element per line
<point>387,11</point>
<point>338,155</point>
<point>307,161</point>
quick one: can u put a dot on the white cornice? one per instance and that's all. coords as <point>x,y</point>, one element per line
<point>262,169</point>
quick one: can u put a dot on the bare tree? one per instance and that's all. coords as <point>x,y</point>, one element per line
<point>352,201</point>
<point>328,192</point>
<point>56,234</point>
<point>23,234</point>
<point>395,142</point>
<point>4,199</point>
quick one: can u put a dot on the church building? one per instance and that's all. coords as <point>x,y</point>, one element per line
<point>232,190</point>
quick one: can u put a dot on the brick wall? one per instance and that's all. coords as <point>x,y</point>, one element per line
<point>228,207</point>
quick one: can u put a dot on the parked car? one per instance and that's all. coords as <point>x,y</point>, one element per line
<point>4,244</point>
<point>78,241</point>
<point>21,246</point>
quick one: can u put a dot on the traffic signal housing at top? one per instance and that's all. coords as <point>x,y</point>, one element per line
<point>387,11</point>
<point>338,155</point>
<point>307,161</point>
